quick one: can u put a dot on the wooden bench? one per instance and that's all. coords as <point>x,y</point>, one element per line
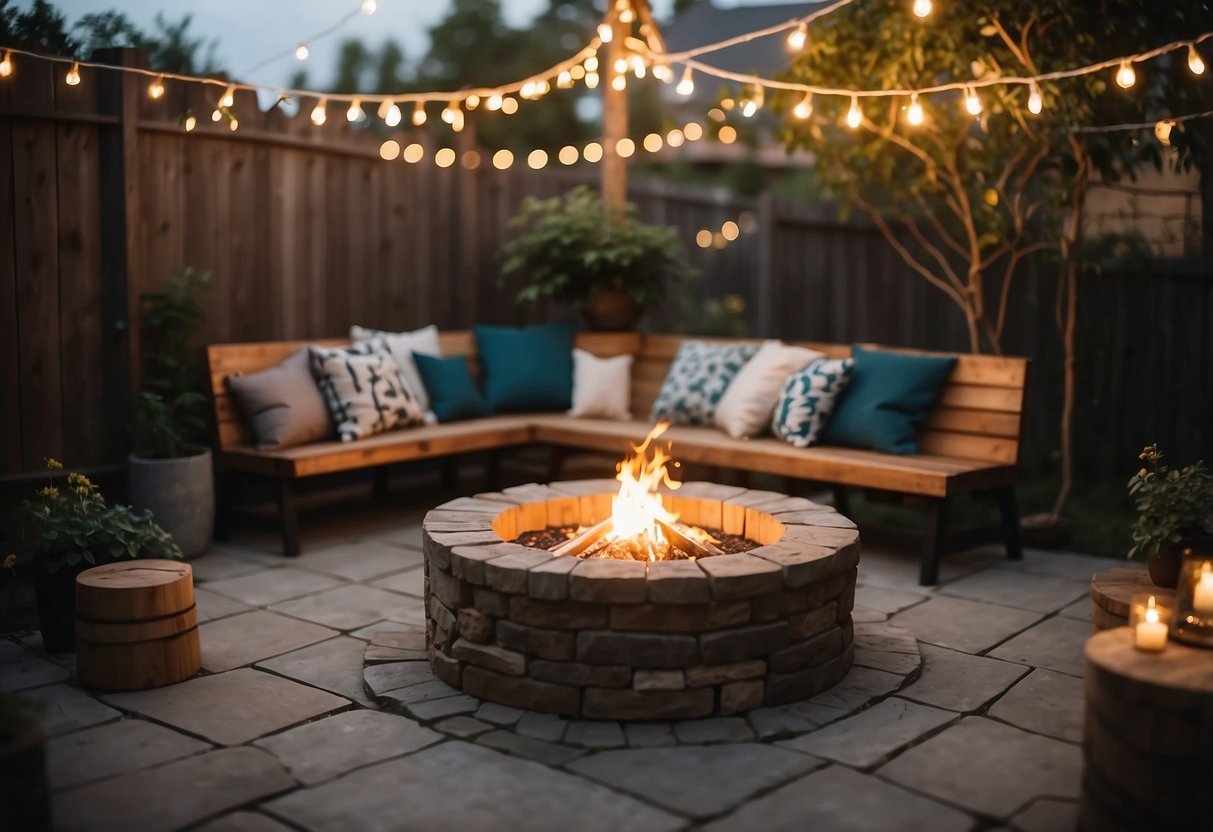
<point>970,444</point>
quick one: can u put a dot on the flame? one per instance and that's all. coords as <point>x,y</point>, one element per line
<point>637,507</point>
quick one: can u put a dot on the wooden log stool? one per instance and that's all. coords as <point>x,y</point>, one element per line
<point>1112,591</point>
<point>1148,736</point>
<point>136,625</point>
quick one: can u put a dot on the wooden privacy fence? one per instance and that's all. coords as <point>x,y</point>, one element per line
<point>307,230</point>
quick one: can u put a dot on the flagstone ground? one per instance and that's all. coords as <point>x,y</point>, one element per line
<point>296,724</point>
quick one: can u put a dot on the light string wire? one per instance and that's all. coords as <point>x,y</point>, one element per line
<point>1149,125</point>
<point>685,55</point>
<point>323,33</point>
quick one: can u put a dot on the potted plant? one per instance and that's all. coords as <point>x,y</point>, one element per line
<point>24,793</point>
<point>1174,513</point>
<point>609,265</point>
<point>170,470</point>
<point>70,527</point>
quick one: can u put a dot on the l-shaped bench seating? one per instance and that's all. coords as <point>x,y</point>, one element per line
<point>970,443</point>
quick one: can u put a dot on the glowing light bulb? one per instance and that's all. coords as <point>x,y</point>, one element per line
<point>922,8</point>
<point>444,158</point>
<point>619,82</point>
<point>502,159</point>
<point>1125,76</point>
<point>854,116</point>
<point>564,80</point>
<point>751,104</point>
<point>1035,102</point>
<point>1195,62</point>
<point>591,63</point>
<point>233,124</point>
<point>190,123</point>
<point>494,102</point>
<point>73,76</point>
<point>302,52</point>
<point>228,98</point>
<point>621,65</point>
<point>663,73</point>
<point>392,117</point>
<point>1162,132</point>
<point>509,105</point>
<point>320,112</point>
<point>638,66</point>
<point>591,80</point>
<point>805,108</point>
<point>686,84</point>
<point>413,154</point>
<point>624,148</point>
<point>568,155</point>
<point>216,115</point>
<point>472,102</point>
<point>798,37</point>
<point>389,150</point>
<point>418,114</point>
<point>653,142</point>
<point>972,102</point>
<point>369,6</point>
<point>537,159</point>
<point>605,33</point>
<point>355,112</point>
<point>156,88</point>
<point>6,64</point>
<point>449,112</point>
<point>592,152</point>
<point>914,114</point>
<point>457,124</point>
<point>627,16</point>
<point>528,90</point>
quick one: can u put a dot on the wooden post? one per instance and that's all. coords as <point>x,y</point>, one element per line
<point>614,119</point>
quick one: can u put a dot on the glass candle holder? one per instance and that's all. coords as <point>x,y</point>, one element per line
<point>1148,621</point>
<point>1194,601</point>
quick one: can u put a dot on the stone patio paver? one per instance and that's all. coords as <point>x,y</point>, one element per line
<point>882,599</point>
<point>175,795</point>
<point>243,822</point>
<point>271,586</point>
<point>329,748</point>
<point>1055,644</point>
<point>457,785</point>
<point>539,726</point>
<point>713,729</point>
<point>219,565</point>
<point>1046,702</point>
<point>960,682</point>
<point>381,678</point>
<point>345,607</point>
<point>1080,610</point>
<point>410,615</point>
<point>112,749</point>
<point>29,671</point>
<point>548,753</point>
<point>649,735</point>
<point>1064,564</point>
<point>446,706</point>
<point>860,686</point>
<point>499,714</point>
<point>881,566</point>
<point>334,665</point>
<point>361,561</point>
<point>1022,590</point>
<point>230,708</point>
<point>866,739</point>
<point>212,605</point>
<point>1047,815</point>
<point>840,800</point>
<point>464,727</point>
<point>988,767</point>
<point>970,626</point>
<point>409,582</point>
<point>62,708</point>
<point>254,636</point>
<point>696,781</point>
<point>594,734</point>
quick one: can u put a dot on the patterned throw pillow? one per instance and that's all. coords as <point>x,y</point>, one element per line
<point>808,399</point>
<point>364,390</point>
<point>700,374</point>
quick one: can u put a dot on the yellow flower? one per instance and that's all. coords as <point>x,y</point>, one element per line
<point>1142,472</point>
<point>50,491</point>
<point>54,464</point>
<point>78,479</point>
<point>81,489</point>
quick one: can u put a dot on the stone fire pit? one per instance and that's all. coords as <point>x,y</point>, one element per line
<point>629,640</point>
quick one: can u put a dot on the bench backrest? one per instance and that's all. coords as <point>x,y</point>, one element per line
<point>978,416</point>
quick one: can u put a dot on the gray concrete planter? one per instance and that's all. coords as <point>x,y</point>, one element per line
<point>180,493</point>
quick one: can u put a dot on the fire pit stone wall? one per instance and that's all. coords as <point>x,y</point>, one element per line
<point>629,640</point>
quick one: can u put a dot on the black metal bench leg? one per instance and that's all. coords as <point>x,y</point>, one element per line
<point>842,500</point>
<point>1010,522</point>
<point>289,517</point>
<point>225,504</point>
<point>381,483</point>
<point>933,542</point>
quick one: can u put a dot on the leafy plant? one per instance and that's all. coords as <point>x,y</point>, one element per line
<point>1173,504</point>
<point>170,411</point>
<point>566,248</point>
<point>74,523</point>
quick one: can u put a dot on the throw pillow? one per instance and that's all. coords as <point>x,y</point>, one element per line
<point>453,394</point>
<point>364,390</point>
<point>601,386</point>
<point>402,345</point>
<point>697,379</point>
<point>745,408</point>
<point>528,368</point>
<point>283,403</point>
<point>889,396</point>
<point>808,399</point>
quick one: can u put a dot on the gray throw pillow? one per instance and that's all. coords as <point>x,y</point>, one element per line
<point>283,403</point>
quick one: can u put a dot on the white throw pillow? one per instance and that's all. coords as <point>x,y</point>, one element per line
<point>745,408</point>
<point>402,345</point>
<point>601,386</point>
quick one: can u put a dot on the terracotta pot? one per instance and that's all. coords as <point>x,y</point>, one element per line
<point>1165,564</point>
<point>56,595</point>
<point>611,310</point>
<point>180,493</point>
<point>23,784</point>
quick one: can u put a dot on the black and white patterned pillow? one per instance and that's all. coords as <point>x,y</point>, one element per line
<point>700,374</point>
<point>364,390</point>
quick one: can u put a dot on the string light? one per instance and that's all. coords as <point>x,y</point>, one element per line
<point>389,150</point>
<point>502,159</point>
<point>619,82</point>
<point>472,101</point>
<point>449,112</point>
<point>564,80</point>
<point>1035,102</point>
<point>369,7</point>
<point>320,113</point>
<point>914,114</point>
<point>805,108</point>
<point>972,102</point>
<point>392,117</point>
<point>727,134</point>
<point>73,75</point>
<point>232,123</point>
<point>1125,76</point>
<point>922,8</point>
<point>509,105</point>
<point>228,98</point>
<point>798,37</point>
<point>537,159</point>
<point>638,66</point>
<point>413,154</point>
<point>592,152</point>
<point>216,114</point>
<point>156,88</point>
<point>752,103</point>
<point>854,116</point>
<point>355,112</point>
<point>1162,132</point>
<point>663,73</point>
<point>494,102</point>
<point>302,52</point>
<point>693,131</point>
<point>605,32</point>
<point>686,84</point>
<point>591,80</point>
<point>568,155</point>
<point>624,148</point>
<point>419,115</point>
<point>457,124</point>
<point>591,63</point>
<point>1195,62</point>
<point>6,64</point>
<point>470,160</point>
<point>189,122</point>
<point>675,138</point>
<point>444,158</point>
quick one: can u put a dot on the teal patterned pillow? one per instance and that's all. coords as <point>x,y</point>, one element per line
<point>808,399</point>
<point>700,374</point>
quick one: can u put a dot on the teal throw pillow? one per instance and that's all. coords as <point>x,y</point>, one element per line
<point>697,379</point>
<point>890,395</point>
<point>526,369</point>
<point>453,394</point>
<point>808,399</point>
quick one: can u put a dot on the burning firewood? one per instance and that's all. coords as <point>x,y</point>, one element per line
<point>674,533</point>
<point>579,543</point>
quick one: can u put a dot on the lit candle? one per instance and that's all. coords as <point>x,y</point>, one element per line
<point>1151,633</point>
<point>1202,590</point>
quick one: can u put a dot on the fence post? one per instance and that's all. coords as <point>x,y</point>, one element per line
<point>765,307</point>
